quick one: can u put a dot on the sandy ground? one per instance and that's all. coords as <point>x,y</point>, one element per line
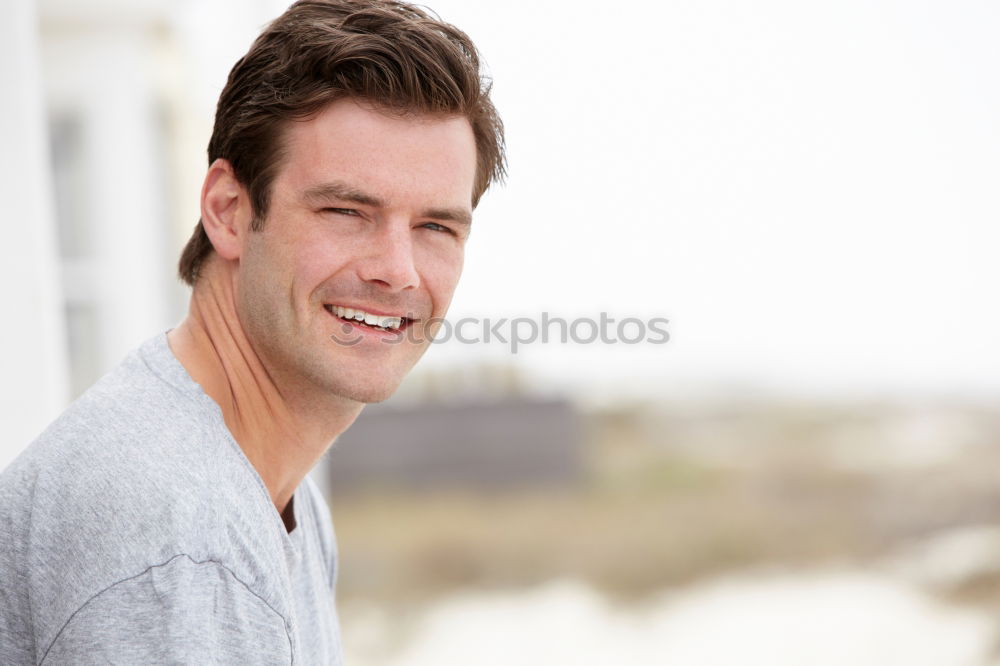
<point>823,618</point>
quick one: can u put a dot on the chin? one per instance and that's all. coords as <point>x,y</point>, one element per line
<point>368,397</point>
<point>366,392</point>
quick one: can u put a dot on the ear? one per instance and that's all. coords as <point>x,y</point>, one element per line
<point>225,210</point>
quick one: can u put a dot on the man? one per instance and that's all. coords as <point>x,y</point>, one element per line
<point>165,516</point>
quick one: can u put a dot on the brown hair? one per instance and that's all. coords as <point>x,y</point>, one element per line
<point>391,54</point>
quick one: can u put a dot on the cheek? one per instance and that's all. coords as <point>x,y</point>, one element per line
<point>315,259</point>
<point>441,275</point>
<point>312,266</point>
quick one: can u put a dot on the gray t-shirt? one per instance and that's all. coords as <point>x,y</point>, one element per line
<point>135,531</point>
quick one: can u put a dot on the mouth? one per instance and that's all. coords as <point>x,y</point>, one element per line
<point>369,320</point>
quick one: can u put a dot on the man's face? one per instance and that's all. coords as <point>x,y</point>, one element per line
<point>369,212</point>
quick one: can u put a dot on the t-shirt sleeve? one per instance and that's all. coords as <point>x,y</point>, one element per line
<point>181,612</point>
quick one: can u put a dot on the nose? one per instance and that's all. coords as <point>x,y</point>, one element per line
<point>389,262</point>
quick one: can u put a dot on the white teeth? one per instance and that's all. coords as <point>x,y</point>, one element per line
<point>370,319</point>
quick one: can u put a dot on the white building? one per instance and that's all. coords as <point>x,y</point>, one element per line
<point>108,112</point>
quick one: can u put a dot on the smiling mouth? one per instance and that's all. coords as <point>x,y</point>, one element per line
<point>387,323</point>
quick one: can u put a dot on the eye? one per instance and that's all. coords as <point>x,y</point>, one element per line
<point>341,211</point>
<point>434,226</point>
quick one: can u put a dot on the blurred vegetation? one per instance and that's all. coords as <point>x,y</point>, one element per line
<point>673,495</point>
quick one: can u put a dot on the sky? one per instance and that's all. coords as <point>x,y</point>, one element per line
<point>807,191</point>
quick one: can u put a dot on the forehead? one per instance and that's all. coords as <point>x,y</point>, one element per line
<point>428,159</point>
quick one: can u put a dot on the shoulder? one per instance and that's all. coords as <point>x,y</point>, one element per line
<point>138,446</point>
<point>130,451</point>
<point>133,474</point>
<point>130,420</point>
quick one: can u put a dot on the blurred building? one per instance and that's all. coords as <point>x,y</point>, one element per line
<point>107,130</point>
<point>492,444</point>
<point>109,109</point>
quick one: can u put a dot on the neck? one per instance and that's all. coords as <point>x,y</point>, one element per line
<point>282,429</point>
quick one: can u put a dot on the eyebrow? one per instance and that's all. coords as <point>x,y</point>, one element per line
<point>344,192</point>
